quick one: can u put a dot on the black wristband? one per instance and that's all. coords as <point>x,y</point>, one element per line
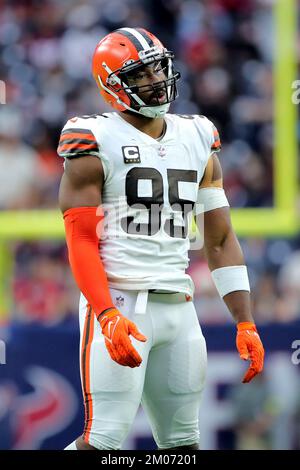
<point>104,312</point>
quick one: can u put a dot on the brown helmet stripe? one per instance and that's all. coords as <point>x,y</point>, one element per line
<point>131,38</point>
<point>135,37</point>
<point>145,35</point>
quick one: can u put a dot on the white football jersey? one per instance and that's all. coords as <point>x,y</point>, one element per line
<point>149,192</point>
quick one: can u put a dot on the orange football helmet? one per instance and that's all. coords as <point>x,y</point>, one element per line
<point>121,54</point>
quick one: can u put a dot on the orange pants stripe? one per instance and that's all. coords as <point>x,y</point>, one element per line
<point>85,371</point>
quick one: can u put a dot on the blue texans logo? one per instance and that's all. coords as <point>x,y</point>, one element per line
<point>42,413</point>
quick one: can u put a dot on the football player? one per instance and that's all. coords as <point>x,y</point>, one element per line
<point>132,179</point>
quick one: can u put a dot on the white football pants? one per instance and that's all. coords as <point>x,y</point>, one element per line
<point>168,383</point>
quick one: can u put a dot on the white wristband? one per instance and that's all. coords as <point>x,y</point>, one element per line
<point>209,199</point>
<point>230,278</point>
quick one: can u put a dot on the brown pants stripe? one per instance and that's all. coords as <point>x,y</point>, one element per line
<point>85,371</point>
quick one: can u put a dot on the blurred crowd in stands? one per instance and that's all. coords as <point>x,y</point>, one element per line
<point>224,52</point>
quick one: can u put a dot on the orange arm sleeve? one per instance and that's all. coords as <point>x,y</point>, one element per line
<point>82,227</point>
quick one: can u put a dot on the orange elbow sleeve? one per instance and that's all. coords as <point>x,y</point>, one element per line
<point>82,225</point>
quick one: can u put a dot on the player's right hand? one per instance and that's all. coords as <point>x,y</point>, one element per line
<point>116,329</point>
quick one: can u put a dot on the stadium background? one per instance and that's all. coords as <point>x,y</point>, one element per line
<point>238,61</point>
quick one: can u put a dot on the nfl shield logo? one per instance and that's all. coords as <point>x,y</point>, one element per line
<point>119,301</point>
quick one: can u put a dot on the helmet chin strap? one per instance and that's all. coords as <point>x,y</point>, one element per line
<point>154,111</point>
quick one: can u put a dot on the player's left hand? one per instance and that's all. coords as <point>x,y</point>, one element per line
<point>250,348</point>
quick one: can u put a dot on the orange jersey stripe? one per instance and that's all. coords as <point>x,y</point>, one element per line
<point>74,135</point>
<point>217,143</point>
<point>91,146</point>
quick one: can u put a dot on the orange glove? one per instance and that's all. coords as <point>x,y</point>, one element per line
<point>250,348</point>
<point>116,328</point>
